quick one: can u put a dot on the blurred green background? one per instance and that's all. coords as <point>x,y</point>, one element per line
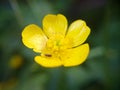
<point>101,71</point>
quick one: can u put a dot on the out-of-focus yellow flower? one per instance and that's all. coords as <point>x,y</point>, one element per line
<point>9,84</point>
<point>16,61</point>
<point>58,44</point>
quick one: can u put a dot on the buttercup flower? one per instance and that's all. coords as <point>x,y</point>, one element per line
<point>58,44</point>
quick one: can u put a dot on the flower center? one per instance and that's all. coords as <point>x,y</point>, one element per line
<point>56,46</point>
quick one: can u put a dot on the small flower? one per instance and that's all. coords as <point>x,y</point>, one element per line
<point>57,44</point>
<point>16,61</point>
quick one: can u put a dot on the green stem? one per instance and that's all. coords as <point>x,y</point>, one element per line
<point>57,79</point>
<point>17,11</point>
<point>106,43</point>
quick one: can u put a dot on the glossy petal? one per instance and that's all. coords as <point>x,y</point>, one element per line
<point>48,62</point>
<point>75,56</point>
<point>33,37</point>
<point>54,24</point>
<point>78,32</point>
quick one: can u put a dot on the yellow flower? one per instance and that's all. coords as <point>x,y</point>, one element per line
<point>16,61</point>
<point>57,44</point>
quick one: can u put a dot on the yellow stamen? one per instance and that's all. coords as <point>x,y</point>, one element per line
<point>56,45</point>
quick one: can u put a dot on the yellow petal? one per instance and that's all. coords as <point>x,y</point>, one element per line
<point>54,24</point>
<point>48,62</point>
<point>33,37</point>
<point>75,56</point>
<point>78,32</point>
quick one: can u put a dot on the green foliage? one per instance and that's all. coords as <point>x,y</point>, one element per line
<point>99,72</point>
